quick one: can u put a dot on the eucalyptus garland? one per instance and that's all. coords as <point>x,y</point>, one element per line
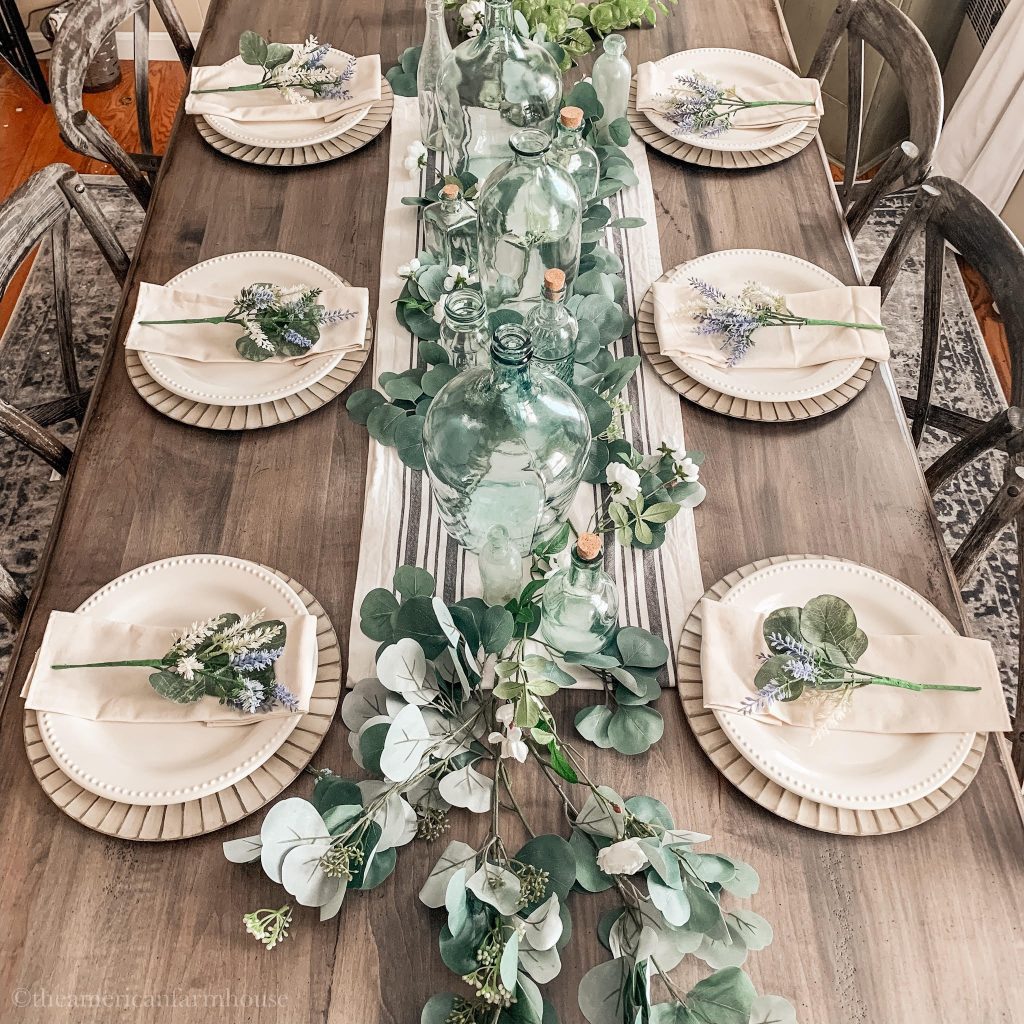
<point>460,698</point>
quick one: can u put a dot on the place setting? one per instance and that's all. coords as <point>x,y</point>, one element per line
<point>762,335</point>
<point>724,108</point>
<point>180,697</point>
<point>247,340</point>
<point>836,696</point>
<point>289,105</point>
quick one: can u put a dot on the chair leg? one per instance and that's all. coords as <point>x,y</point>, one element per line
<point>896,252</point>
<point>934,262</point>
<point>60,241</point>
<point>1004,508</point>
<point>12,599</point>
<point>98,137</point>
<point>1017,735</point>
<point>995,434</point>
<point>97,225</point>
<point>885,177</point>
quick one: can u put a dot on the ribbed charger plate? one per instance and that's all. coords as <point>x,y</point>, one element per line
<point>355,138</point>
<point>724,159</point>
<point>749,781</point>
<point>196,817</point>
<point>729,405</point>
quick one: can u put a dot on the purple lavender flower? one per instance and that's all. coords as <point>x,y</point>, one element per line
<point>283,696</point>
<point>252,697</point>
<point>760,702</point>
<point>293,337</point>
<point>255,661</point>
<point>335,316</point>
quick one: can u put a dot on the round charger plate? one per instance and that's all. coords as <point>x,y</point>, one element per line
<point>288,134</point>
<point>155,823</point>
<point>241,381</point>
<point>363,131</point>
<point>731,405</point>
<point>732,68</point>
<point>769,794</point>
<point>730,270</point>
<point>737,160</point>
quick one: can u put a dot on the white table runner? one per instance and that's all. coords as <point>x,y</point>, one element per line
<point>658,588</point>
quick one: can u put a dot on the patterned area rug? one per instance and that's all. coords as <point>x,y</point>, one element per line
<point>966,381</point>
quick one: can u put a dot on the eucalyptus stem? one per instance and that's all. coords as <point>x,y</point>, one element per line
<point>803,321</point>
<point>253,87</point>
<point>150,663</point>
<point>871,679</point>
<point>189,320</point>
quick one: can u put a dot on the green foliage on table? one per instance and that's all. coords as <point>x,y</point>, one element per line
<point>402,77</point>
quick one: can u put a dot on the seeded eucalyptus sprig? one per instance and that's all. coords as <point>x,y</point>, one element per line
<point>277,321</point>
<point>230,657</point>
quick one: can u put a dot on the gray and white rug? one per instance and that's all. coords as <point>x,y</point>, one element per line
<point>966,380</point>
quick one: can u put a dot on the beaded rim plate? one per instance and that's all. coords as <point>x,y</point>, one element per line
<point>144,823</point>
<point>773,797</point>
<point>739,408</point>
<point>364,131</point>
<point>733,160</point>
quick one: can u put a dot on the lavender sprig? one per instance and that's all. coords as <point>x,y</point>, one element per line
<point>277,321</point>
<point>703,107</point>
<point>736,317</point>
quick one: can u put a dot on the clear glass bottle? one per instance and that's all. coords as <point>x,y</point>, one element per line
<point>505,446</point>
<point>464,332</point>
<point>450,229</point>
<point>436,46</point>
<point>571,152</point>
<point>611,78</point>
<point>489,86</point>
<point>530,216</point>
<point>553,329</point>
<point>501,567</point>
<point>580,605</point>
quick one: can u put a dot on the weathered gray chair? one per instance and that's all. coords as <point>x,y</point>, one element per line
<point>42,206</point>
<point>949,214</point>
<point>898,41</point>
<point>80,36</point>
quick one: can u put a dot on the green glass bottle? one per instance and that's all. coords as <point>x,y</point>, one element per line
<point>580,605</point>
<point>505,446</point>
<point>571,152</point>
<point>553,329</point>
<point>531,216</point>
<point>464,332</point>
<point>449,230</point>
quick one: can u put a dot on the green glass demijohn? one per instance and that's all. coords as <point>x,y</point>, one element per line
<point>530,221</point>
<point>489,86</point>
<point>505,446</point>
<point>579,604</point>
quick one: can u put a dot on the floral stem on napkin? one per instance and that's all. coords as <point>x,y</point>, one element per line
<point>701,106</point>
<point>289,69</point>
<point>230,657</point>
<point>277,321</point>
<point>736,317</point>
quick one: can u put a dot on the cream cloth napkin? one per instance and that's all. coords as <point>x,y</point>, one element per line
<point>269,104</point>
<point>124,694</point>
<point>654,87</point>
<point>778,347</point>
<point>732,641</point>
<point>215,343</point>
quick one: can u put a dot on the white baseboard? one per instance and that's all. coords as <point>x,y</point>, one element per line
<point>160,46</point>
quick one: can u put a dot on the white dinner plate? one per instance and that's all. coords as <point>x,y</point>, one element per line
<point>158,763</point>
<point>730,270</point>
<point>731,68</point>
<point>288,134</point>
<point>241,381</point>
<point>855,770</point>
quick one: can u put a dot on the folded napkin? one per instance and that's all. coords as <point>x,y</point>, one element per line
<point>655,85</point>
<point>269,104</point>
<point>732,641</point>
<point>124,694</point>
<point>215,343</point>
<point>778,347</point>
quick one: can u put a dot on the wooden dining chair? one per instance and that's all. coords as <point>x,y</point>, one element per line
<point>41,208</point>
<point>951,215</point>
<point>79,38</point>
<point>897,40</point>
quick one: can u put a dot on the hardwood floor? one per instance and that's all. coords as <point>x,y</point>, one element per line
<point>29,140</point>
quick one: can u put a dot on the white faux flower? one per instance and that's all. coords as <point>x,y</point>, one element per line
<point>410,269</point>
<point>512,743</point>
<point>624,482</point>
<point>558,562</point>
<point>472,15</point>
<point>622,858</point>
<point>687,468</point>
<point>458,277</point>
<point>505,714</point>
<point>415,158</point>
<point>187,667</point>
<point>438,313</point>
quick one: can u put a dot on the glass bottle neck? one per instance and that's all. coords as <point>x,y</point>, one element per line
<point>569,138</point>
<point>583,573</point>
<point>498,16</point>
<point>435,10</point>
<point>551,306</point>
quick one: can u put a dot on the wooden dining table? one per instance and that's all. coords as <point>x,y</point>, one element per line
<point>924,925</point>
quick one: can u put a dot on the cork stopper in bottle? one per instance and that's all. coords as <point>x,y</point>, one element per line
<point>588,546</point>
<point>450,191</point>
<point>571,117</point>
<point>554,280</point>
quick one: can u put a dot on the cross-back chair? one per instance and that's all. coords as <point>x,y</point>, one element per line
<point>951,215</point>
<point>42,207</point>
<point>897,40</point>
<point>78,40</point>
